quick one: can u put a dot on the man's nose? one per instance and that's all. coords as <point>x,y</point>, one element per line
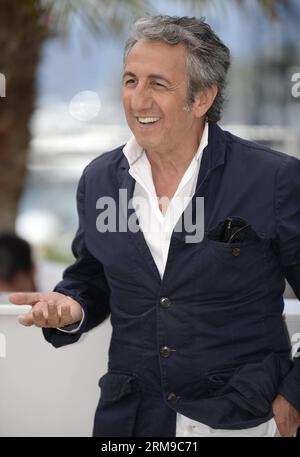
<point>141,100</point>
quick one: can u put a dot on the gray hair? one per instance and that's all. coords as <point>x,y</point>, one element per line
<point>208,59</point>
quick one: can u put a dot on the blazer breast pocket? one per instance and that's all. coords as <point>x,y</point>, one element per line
<point>230,283</point>
<point>236,268</point>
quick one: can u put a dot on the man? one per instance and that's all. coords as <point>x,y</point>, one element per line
<point>17,271</point>
<point>199,347</point>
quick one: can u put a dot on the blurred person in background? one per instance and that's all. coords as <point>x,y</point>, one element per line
<point>199,346</point>
<point>17,270</point>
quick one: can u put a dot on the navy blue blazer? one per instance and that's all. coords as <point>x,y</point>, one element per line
<point>208,340</point>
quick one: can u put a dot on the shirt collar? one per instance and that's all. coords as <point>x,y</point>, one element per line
<point>133,151</point>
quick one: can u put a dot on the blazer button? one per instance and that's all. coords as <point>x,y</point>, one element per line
<point>236,251</point>
<point>165,302</point>
<point>165,351</point>
<point>172,398</point>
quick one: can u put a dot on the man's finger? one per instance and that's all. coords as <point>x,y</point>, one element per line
<point>26,319</point>
<point>53,316</point>
<point>66,317</point>
<point>25,298</point>
<point>40,314</point>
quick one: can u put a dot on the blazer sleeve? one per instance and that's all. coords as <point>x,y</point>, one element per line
<point>84,281</point>
<point>287,208</point>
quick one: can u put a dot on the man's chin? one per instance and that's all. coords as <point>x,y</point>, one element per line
<point>147,145</point>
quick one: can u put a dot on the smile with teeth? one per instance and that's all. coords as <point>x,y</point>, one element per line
<point>148,120</point>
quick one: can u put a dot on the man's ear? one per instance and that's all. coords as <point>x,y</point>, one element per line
<point>204,100</point>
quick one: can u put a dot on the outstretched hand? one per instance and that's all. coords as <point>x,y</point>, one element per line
<point>48,310</point>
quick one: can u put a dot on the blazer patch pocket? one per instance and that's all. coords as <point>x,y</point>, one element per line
<point>217,379</point>
<point>118,405</point>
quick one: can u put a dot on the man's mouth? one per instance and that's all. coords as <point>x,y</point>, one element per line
<point>148,120</point>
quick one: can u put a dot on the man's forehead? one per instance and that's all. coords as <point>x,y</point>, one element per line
<point>146,53</point>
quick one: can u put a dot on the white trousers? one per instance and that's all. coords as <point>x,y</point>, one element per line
<point>188,427</point>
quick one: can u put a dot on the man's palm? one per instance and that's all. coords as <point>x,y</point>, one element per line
<point>49,310</point>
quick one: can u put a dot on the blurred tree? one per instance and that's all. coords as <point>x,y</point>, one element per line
<point>24,27</point>
<point>271,7</point>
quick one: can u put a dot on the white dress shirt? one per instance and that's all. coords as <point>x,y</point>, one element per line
<point>156,226</point>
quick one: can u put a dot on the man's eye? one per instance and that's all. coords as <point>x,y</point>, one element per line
<point>129,81</point>
<point>159,84</point>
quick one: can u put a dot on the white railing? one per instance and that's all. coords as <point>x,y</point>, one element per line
<point>76,148</point>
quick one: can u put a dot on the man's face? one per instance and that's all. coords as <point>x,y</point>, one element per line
<point>155,86</point>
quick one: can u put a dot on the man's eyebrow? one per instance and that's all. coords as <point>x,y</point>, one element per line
<point>152,76</point>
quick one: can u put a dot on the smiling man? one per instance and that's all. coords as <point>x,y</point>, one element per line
<point>199,345</point>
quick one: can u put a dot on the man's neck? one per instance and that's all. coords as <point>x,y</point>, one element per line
<point>174,162</point>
